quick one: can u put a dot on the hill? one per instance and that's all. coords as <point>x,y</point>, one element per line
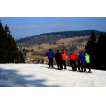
<point>40,44</point>
<point>69,44</point>
<point>53,37</point>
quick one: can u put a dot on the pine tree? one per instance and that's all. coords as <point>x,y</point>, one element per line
<point>101,39</point>
<point>31,50</point>
<point>97,51</point>
<point>3,42</point>
<point>93,37</point>
<point>91,49</point>
<point>7,29</point>
<point>25,54</point>
<point>101,51</point>
<point>42,61</point>
<point>38,61</point>
<point>11,46</point>
<point>20,58</point>
<point>8,48</point>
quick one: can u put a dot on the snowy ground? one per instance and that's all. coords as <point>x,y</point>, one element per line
<point>38,75</point>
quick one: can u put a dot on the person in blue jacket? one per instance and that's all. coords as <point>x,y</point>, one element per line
<point>81,59</point>
<point>50,55</point>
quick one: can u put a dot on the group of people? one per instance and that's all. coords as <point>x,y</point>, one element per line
<point>83,60</point>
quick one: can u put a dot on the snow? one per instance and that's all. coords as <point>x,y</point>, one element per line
<point>39,75</point>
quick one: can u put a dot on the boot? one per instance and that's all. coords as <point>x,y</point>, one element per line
<point>72,69</point>
<point>85,71</point>
<point>89,71</point>
<point>81,70</point>
<point>78,70</point>
<point>75,69</point>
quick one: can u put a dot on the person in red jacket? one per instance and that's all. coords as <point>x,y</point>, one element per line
<point>63,58</point>
<point>72,61</point>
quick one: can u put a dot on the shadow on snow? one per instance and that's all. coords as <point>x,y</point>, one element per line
<point>10,78</point>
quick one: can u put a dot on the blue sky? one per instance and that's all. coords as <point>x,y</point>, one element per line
<point>21,27</point>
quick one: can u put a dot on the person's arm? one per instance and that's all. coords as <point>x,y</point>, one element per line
<point>53,54</point>
<point>84,60</point>
<point>60,56</point>
<point>79,57</point>
<point>76,56</point>
<point>69,56</point>
<point>47,54</point>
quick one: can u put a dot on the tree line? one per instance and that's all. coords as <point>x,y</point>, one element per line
<point>52,37</point>
<point>9,52</point>
<point>96,49</point>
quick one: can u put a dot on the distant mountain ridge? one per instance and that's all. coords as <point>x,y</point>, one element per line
<point>54,36</point>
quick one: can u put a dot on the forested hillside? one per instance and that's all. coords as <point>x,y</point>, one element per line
<point>53,37</point>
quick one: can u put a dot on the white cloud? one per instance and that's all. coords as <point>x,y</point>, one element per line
<point>54,26</point>
<point>50,22</point>
<point>15,27</point>
<point>66,21</point>
<point>30,27</point>
<point>19,28</point>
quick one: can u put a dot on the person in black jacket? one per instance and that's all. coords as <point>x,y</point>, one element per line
<point>58,58</point>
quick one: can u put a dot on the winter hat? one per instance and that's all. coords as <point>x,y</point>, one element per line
<point>86,53</point>
<point>57,50</point>
<point>50,49</point>
<point>80,52</point>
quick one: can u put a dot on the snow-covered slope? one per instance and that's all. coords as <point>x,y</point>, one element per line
<point>38,75</point>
